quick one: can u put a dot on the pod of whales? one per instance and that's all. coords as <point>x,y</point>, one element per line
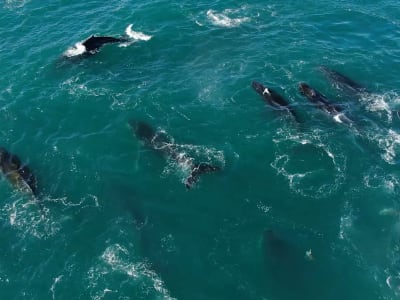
<point>273,98</point>
<point>160,142</point>
<point>18,174</point>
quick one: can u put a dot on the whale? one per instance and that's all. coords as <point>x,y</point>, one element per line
<point>162,144</point>
<point>285,263</point>
<point>323,103</point>
<point>273,98</point>
<point>92,45</point>
<point>18,174</point>
<point>342,81</point>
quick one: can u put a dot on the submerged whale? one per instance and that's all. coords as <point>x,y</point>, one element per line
<point>18,174</point>
<point>323,103</point>
<point>342,81</point>
<point>287,267</point>
<point>273,98</point>
<point>160,142</point>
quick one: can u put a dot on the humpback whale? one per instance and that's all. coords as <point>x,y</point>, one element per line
<point>160,142</point>
<point>323,103</point>
<point>93,43</point>
<point>342,81</point>
<point>18,174</point>
<point>285,264</point>
<point>273,98</point>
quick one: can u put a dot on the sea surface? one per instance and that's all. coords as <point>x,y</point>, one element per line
<point>299,210</point>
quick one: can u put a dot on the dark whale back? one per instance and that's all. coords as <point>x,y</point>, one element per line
<point>320,100</point>
<point>143,131</point>
<point>269,94</point>
<point>312,94</point>
<point>273,98</point>
<point>95,42</point>
<point>342,80</point>
<point>13,169</point>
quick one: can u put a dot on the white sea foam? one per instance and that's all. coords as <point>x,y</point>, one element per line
<point>137,35</point>
<point>346,221</point>
<point>380,104</point>
<point>78,49</point>
<point>378,178</point>
<point>393,282</point>
<point>188,155</point>
<point>117,259</point>
<point>263,207</point>
<point>223,20</point>
<point>293,153</point>
<point>389,212</point>
<point>390,144</point>
<point>75,87</point>
<point>53,286</point>
<point>13,4</point>
<point>28,218</point>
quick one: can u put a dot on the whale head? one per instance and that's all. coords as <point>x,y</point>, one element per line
<point>306,90</point>
<point>258,87</point>
<point>142,130</point>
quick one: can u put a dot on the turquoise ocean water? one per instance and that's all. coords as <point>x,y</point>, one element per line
<point>118,222</point>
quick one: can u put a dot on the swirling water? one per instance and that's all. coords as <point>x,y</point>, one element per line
<point>117,221</point>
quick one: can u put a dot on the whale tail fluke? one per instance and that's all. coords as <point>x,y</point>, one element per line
<point>197,170</point>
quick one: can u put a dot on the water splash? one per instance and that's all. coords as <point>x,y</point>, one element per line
<point>223,19</point>
<point>29,218</point>
<point>78,49</point>
<point>136,35</point>
<point>117,259</point>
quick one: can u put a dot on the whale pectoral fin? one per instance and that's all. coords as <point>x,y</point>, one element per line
<point>197,170</point>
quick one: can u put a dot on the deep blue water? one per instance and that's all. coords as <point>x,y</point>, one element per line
<point>117,221</point>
